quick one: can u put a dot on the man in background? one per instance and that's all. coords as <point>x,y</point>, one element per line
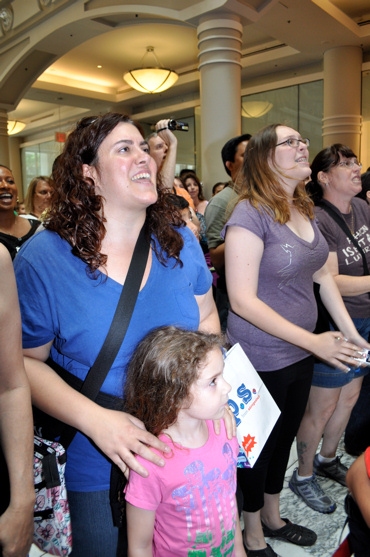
<point>217,212</point>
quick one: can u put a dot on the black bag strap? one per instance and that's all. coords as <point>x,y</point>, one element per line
<point>343,225</point>
<point>117,331</point>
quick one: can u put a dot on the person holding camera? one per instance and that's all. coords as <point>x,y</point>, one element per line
<point>163,149</point>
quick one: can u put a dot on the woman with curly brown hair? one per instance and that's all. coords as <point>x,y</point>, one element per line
<point>70,279</point>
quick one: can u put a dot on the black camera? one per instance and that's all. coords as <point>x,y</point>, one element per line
<point>175,125</point>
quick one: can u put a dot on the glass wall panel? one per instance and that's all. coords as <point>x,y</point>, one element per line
<point>37,160</point>
<point>282,104</point>
<point>298,106</point>
<point>310,114</point>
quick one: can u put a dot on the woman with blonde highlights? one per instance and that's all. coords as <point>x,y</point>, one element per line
<point>38,197</point>
<point>274,252</point>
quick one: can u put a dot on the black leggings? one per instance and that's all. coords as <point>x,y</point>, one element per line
<point>290,388</point>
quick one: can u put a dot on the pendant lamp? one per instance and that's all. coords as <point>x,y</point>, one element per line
<point>151,77</point>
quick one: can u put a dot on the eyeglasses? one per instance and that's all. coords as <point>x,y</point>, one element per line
<point>349,164</point>
<point>293,142</point>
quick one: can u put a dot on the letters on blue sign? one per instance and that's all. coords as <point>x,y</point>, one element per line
<point>246,396</point>
<point>244,393</point>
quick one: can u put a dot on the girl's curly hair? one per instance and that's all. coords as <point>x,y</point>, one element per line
<point>161,372</point>
<point>77,211</point>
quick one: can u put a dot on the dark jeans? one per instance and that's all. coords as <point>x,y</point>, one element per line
<point>289,388</point>
<point>93,532</point>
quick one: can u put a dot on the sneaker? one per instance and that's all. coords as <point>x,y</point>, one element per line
<point>312,494</point>
<point>334,470</point>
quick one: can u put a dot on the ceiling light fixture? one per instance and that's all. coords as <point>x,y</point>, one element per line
<point>151,77</point>
<point>255,109</point>
<point>15,126</point>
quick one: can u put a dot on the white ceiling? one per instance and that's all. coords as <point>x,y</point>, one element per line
<point>281,38</point>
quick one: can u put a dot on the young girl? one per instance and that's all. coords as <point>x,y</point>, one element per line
<point>175,386</point>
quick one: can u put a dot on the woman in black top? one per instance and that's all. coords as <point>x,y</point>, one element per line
<point>14,230</point>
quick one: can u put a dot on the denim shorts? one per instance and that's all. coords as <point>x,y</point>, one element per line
<point>330,377</point>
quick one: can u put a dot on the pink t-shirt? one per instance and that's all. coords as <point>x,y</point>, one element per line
<point>193,496</point>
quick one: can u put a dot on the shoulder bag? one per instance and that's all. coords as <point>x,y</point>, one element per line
<point>324,319</point>
<point>52,528</point>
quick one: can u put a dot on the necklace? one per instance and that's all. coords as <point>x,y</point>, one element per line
<point>349,219</point>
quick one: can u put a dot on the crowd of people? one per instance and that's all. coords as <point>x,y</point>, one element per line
<point>165,421</point>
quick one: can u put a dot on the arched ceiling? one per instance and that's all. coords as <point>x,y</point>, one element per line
<point>49,60</point>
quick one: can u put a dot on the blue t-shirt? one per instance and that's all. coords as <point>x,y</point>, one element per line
<point>60,302</point>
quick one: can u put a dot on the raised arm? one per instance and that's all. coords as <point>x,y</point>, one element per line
<point>167,171</point>
<point>16,426</point>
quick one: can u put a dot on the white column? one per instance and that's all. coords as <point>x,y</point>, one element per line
<point>342,97</point>
<point>219,44</point>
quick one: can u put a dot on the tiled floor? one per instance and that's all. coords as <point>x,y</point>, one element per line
<point>329,527</point>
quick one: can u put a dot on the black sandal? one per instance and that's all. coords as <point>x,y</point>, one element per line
<point>266,552</point>
<point>292,533</point>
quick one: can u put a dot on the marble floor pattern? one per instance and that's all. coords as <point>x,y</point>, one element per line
<point>329,528</point>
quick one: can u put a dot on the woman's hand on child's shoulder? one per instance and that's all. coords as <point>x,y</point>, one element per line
<point>121,436</point>
<point>229,421</point>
